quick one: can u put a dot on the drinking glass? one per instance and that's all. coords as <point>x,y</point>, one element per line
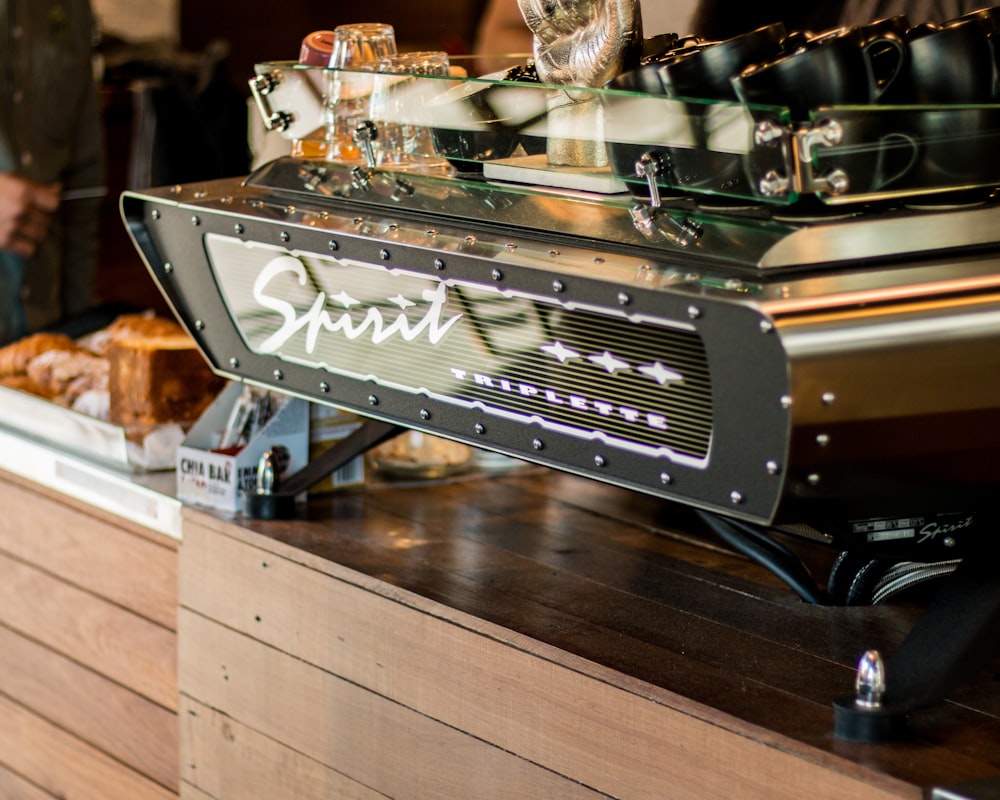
<point>357,48</point>
<point>400,109</point>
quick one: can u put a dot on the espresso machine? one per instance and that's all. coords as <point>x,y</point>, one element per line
<point>747,324</point>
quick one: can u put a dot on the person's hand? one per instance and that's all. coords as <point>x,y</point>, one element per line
<point>26,211</point>
<point>581,42</point>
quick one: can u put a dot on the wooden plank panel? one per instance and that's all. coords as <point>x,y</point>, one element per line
<point>63,765</point>
<point>106,638</point>
<point>325,617</point>
<point>91,553</point>
<point>371,739</point>
<point>189,792</point>
<point>115,720</point>
<point>14,787</point>
<point>228,760</point>
<point>513,693</point>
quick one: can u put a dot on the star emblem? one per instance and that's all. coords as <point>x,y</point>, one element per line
<point>609,362</point>
<point>661,374</point>
<point>560,351</point>
<point>402,302</point>
<point>344,299</point>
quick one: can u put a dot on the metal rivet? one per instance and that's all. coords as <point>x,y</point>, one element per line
<point>238,227</point>
<point>425,413</point>
<point>156,213</point>
<point>829,398</point>
<point>624,299</point>
<point>438,263</point>
<point>558,286</point>
<point>949,541</point>
<point>279,375</point>
<point>195,221</point>
<point>823,439</point>
<point>333,245</point>
<point>324,387</point>
<point>497,275</point>
<point>168,268</point>
<point>666,478</point>
<point>372,400</point>
<point>694,312</point>
<point>786,401</point>
<point>480,428</point>
<point>766,326</point>
<point>600,461</point>
<point>234,362</point>
<point>384,255</point>
<point>537,444</point>
<point>199,325</point>
<point>773,468</point>
<point>736,497</point>
<point>285,236</point>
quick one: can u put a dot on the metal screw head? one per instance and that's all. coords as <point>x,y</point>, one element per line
<point>829,398</point>
<point>438,263</point>
<point>285,236</point>
<point>425,413</point>
<point>736,497</point>
<point>823,439</point>
<point>814,479</point>
<point>372,400</point>
<point>195,221</point>
<point>384,255</point>
<point>786,401</point>
<point>666,478</point>
<point>600,461</point>
<point>199,325</point>
<point>497,275</point>
<point>168,268</point>
<point>324,387</point>
<point>766,326</point>
<point>156,213</point>
<point>234,362</point>
<point>238,227</point>
<point>279,375</point>
<point>537,444</point>
<point>694,312</point>
<point>480,428</point>
<point>558,286</point>
<point>333,244</point>
<point>624,299</point>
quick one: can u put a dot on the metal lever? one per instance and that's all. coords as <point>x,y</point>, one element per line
<point>260,88</point>
<point>652,220</point>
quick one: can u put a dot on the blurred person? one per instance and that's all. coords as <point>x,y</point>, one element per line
<point>51,164</point>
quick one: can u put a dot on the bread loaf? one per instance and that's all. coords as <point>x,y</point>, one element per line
<point>156,379</point>
<point>14,357</point>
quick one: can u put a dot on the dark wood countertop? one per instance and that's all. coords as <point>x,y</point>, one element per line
<point>627,582</point>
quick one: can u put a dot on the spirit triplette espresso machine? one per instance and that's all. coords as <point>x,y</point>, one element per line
<point>787,326</point>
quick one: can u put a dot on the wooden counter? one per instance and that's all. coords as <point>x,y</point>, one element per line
<point>88,679</point>
<point>534,636</point>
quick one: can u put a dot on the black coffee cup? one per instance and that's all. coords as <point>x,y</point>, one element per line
<point>834,69</point>
<point>950,64</point>
<point>707,73</point>
<point>704,74</point>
